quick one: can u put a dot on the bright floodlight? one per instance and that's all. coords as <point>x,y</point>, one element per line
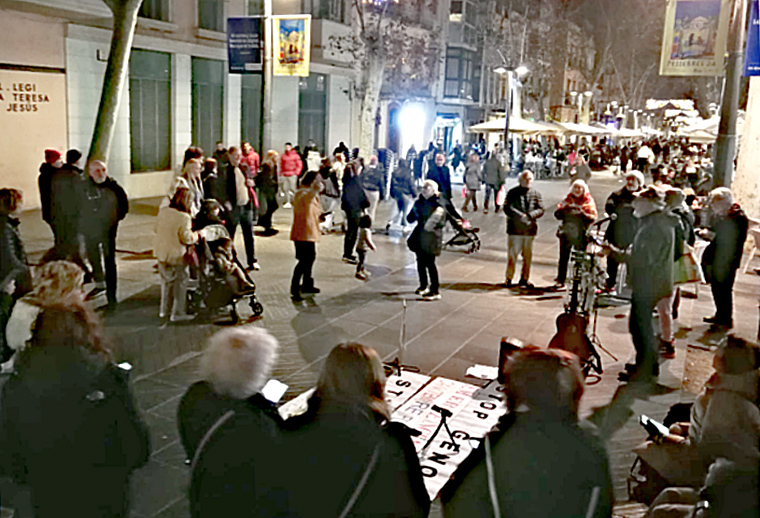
<point>521,70</point>
<point>412,122</point>
<point>500,70</point>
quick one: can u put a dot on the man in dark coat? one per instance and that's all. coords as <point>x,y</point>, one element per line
<point>622,228</point>
<point>545,461</point>
<point>103,205</point>
<point>523,207</point>
<point>440,173</point>
<point>728,232</point>
<point>650,263</point>
<point>354,200</point>
<point>65,184</point>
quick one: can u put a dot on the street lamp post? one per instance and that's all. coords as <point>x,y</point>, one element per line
<point>509,73</point>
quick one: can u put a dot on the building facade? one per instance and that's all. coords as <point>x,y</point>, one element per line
<point>53,56</point>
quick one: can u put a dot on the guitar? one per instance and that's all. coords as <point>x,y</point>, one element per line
<point>571,325</point>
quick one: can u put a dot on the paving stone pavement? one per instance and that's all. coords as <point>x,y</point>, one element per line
<point>443,338</point>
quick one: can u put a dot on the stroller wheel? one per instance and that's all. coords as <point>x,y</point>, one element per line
<point>234,315</point>
<point>256,307</point>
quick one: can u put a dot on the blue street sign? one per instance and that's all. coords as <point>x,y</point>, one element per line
<point>244,44</point>
<point>752,55</point>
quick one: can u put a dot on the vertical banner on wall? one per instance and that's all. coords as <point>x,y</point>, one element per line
<point>752,55</point>
<point>292,35</point>
<point>244,44</point>
<point>695,37</point>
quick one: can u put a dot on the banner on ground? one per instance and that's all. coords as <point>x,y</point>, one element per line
<point>752,55</point>
<point>244,44</point>
<point>695,38</point>
<point>292,35</point>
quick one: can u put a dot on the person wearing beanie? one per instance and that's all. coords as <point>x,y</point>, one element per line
<point>622,228</point>
<point>650,263</point>
<point>65,186</point>
<point>51,164</point>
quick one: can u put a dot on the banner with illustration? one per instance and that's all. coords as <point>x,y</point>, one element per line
<point>292,45</point>
<point>694,42</point>
<point>752,55</point>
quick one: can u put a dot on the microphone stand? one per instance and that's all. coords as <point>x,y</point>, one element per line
<point>445,413</point>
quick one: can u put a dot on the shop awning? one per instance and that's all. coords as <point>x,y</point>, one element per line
<point>516,125</point>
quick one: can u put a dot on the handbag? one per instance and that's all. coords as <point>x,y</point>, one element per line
<point>687,269</point>
<point>191,257</point>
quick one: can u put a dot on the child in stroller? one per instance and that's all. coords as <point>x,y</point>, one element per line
<point>222,282</point>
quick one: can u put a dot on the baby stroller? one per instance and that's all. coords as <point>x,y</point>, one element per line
<point>213,293</point>
<point>464,235</point>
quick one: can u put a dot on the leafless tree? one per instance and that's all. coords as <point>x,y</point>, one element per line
<point>124,22</point>
<point>396,49</point>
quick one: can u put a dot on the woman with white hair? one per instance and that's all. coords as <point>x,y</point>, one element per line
<point>722,257</point>
<point>430,212</point>
<point>576,213</point>
<point>230,431</point>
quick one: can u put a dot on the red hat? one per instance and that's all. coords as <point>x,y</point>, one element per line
<point>52,156</point>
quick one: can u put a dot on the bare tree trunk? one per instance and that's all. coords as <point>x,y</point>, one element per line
<point>124,22</point>
<point>373,83</point>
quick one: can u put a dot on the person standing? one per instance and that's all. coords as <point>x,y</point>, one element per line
<point>65,184</point>
<point>473,179</point>
<point>305,234</point>
<point>494,177</point>
<point>70,428</point>
<point>576,213</point>
<point>430,211</point>
<point>266,187</point>
<point>650,263</point>
<point>291,166</point>
<point>402,191</point>
<point>49,167</point>
<point>523,207</point>
<point>722,257</point>
<point>353,201</point>
<point>104,205</point>
<point>622,228</point>
<point>174,234</point>
<point>439,172</point>
<point>15,276</point>
<point>239,205</point>
<point>373,181</point>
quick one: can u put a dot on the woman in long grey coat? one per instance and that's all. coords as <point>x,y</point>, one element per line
<point>473,179</point>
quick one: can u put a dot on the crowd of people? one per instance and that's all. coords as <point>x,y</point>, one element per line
<point>68,407</point>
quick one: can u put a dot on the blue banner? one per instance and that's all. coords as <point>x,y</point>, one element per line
<point>244,44</point>
<point>752,55</point>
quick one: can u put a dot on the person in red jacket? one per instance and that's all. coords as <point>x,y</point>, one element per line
<point>290,168</point>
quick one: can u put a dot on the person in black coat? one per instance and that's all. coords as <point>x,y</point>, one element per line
<point>346,434</point>
<point>65,185</point>
<point>402,191</point>
<point>266,188</point>
<point>353,201</point>
<point>622,228</point>
<point>68,425</point>
<point>15,276</point>
<point>545,461</point>
<point>722,257</point>
<point>103,205</point>
<point>440,173</point>
<point>52,163</point>
<point>231,433</point>
<point>430,211</point>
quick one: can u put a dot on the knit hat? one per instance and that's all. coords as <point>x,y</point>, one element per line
<point>52,156</point>
<point>637,175</point>
<point>652,194</point>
